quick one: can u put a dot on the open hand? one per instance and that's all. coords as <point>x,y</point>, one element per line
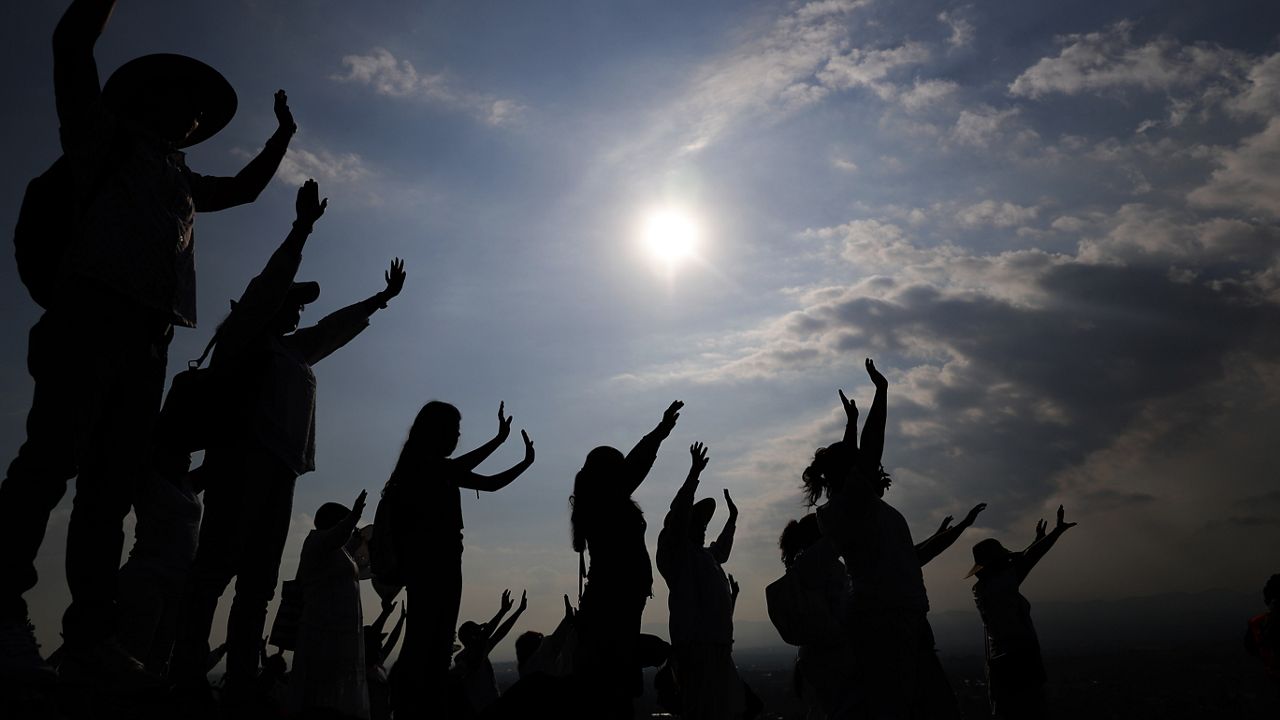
<point>395,280</point>
<point>283,115</point>
<point>973,514</point>
<point>700,459</point>
<point>504,423</point>
<point>309,206</point>
<point>524,601</point>
<point>1062,525</point>
<point>850,407</point>
<point>358,506</point>
<point>728,501</point>
<point>528,447</point>
<point>946,524</point>
<point>569,612</point>
<point>1041,526</point>
<point>733,588</point>
<point>506,600</point>
<point>672,413</point>
<point>876,378</point>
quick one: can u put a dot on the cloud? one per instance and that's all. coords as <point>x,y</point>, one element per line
<point>391,77</point>
<point>963,32</point>
<point>300,164</point>
<point>1246,178</point>
<point>982,125</point>
<point>1109,60</point>
<point>996,214</point>
<point>927,94</point>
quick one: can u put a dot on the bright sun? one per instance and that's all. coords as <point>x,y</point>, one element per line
<point>670,235</point>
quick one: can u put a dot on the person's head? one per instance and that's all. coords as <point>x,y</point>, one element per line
<point>330,514</point>
<point>828,472</point>
<point>175,98</point>
<point>703,510</point>
<point>798,536</point>
<point>470,633</point>
<point>1271,593</point>
<point>436,430</point>
<point>596,484</point>
<point>989,557</point>
<point>274,665</point>
<point>526,645</point>
<point>289,313</point>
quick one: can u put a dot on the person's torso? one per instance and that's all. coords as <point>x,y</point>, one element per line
<point>700,600</point>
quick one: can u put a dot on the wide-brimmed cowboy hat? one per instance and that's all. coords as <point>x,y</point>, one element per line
<point>131,84</point>
<point>988,553</point>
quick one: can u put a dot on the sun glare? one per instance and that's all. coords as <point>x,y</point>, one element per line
<point>670,235</point>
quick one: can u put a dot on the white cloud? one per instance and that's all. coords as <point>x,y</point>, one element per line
<point>963,32</point>
<point>997,214</point>
<point>326,167</point>
<point>927,94</point>
<point>1260,94</point>
<point>396,78</point>
<point>981,126</point>
<point>1247,177</point>
<point>1108,59</point>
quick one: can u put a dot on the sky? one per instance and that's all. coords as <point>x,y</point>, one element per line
<point>1056,228</point>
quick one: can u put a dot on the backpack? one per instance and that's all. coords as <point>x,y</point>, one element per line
<point>383,558</point>
<point>192,412</point>
<point>800,616</point>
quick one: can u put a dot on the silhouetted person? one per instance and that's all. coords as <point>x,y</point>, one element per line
<point>896,671</point>
<point>329,666</point>
<point>268,441</point>
<point>610,525</point>
<point>167,512</point>
<point>824,663</point>
<point>1262,638</point>
<point>426,529</point>
<point>472,670</point>
<point>700,600</point>
<point>124,281</point>
<point>1015,670</point>
<point>545,654</point>
<point>378,646</point>
<point>946,535</point>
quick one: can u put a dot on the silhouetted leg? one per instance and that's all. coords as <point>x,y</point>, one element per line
<point>420,677</point>
<point>266,510</point>
<point>937,699</point>
<point>115,457</point>
<point>141,606</point>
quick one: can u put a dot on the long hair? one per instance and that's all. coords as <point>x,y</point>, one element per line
<point>826,471</point>
<point>594,488</point>
<point>434,419</point>
<point>798,536</point>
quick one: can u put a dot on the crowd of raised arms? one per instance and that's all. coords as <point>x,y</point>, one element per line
<point>96,247</point>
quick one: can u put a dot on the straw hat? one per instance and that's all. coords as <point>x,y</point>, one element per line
<point>131,83</point>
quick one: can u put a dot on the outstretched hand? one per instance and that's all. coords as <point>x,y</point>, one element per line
<point>1041,527</point>
<point>880,381</point>
<point>699,453</point>
<point>850,407</point>
<point>946,524</point>
<point>395,279</point>
<point>524,601</point>
<point>506,601</point>
<point>284,116</point>
<point>504,423</point>
<point>358,506</point>
<point>528,447</point>
<point>973,514</point>
<point>1062,525</point>
<point>569,612</point>
<point>734,589</point>
<point>733,508</point>
<point>672,413</point>
<point>309,206</point>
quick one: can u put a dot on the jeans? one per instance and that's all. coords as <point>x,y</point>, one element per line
<point>99,375</point>
<point>247,507</point>
<point>419,680</point>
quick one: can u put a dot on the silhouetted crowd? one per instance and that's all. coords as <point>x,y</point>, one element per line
<point>105,244</point>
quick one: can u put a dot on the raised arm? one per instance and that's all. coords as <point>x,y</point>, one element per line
<point>723,545</point>
<point>335,537</point>
<point>266,292</point>
<point>675,526</point>
<point>471,460</point>
<point>641,458</point>
<point>946,536</point>
<point>392,639</point>
<point>1038,549</point>
<point>851,421</point>
<point>490,483</point>
<point>76,86</point>
<point>501,632</point>
<point>211,193</point>
<point>340,327</point>
<point>871,449</point>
